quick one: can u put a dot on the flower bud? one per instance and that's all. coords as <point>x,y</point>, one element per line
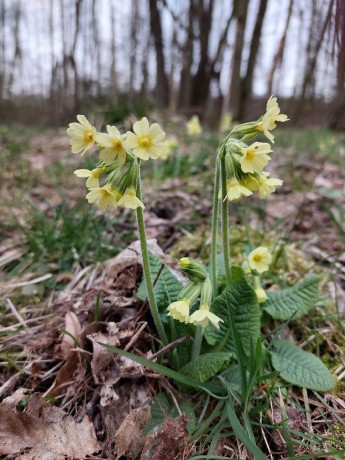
<point>246,128</point>
<point>195,271</point>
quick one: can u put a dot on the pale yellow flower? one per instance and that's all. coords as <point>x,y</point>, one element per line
<point>93,176</point>
<point>261,295</point>
<point>255,158</point>
<point>203,316</point>
<point>268,121</point>
<point>226,122</point>
<point>179,310</point>
<point>103,196</point>
<point>236,190</point>
<point>130,199</point>
<point>146,141</point>
<point>82,135</point>
<point>251,183</point>
<point>193,126</point>
<point>260,259</point>
<point>169,145</point>
<point>112,146</point>
<point>267,185</point>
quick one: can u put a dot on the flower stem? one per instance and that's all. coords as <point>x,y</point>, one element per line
<point>225,217</point>
<point>215,228</point>
<point>146,267</point>
<point>199,333</point>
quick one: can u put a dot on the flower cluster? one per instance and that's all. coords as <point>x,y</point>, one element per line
<point>200,285</point>
<point>114,181</point>
<point>245,163</point>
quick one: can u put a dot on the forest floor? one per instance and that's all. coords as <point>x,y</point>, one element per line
<point>64,266</point>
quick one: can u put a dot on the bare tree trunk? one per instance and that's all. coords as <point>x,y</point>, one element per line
<point>113,76</point>
<point>17,46</point>
<point>2,51</point>
<point>241,10</point>
<point>202,78</point>
<point>278,57</point>
<point>309,74</point>
<point>157,32</point>
<point>134,45</point>
<point>172,86</point>
<point>185,90</point>
<point>337,115</point>
<point>247,82</point>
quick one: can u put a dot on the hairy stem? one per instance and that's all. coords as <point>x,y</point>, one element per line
<point>225,218</point>
<point>215,228</point>
<point>146,267</point>
<point>199,333</point>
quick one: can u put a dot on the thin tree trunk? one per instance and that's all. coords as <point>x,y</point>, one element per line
<point>241,10</point>
<point>187,61</point>
<point>113,76</point>
<point>309,74</point>
<point>157,32</point>
<point>247,82</point>
<point>278,57</point>
<point>202,78</point>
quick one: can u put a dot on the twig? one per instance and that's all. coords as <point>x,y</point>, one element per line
<point>27,283</point>
<point>13,310</point>
<point>169,346</point>
<point>307,408</point>
<point>135,336</point>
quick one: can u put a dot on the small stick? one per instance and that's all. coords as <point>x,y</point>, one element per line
<point>13,310</point>
<point>169,346</point>
<point>307,408</point>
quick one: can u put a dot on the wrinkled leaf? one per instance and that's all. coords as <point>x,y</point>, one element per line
<point>297,300</point>
<point>129,438</point>
<point>238,300</point>
<point>300,367</point>
<point>47,431</point>
<point>167,287</point>
<point>206,366</point>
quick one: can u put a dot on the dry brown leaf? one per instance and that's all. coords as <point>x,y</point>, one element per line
<point>103,359</point>
<point>129,438</point>
<point>166,443</point>
<point>47,431</point>
<point>73,327</point>
<point>71,374</point>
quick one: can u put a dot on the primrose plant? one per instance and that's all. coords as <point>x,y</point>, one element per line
<point>222,310</point>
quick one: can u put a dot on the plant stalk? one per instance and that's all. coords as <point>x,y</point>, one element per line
<point>199,333</point>
<point>225,218</point>
<point>215,211</point>
<point>146,267</point>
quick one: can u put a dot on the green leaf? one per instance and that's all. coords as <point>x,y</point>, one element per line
<point>300,367</point>
<point>237,274</point>
<point>166,289</point>
<point>184,379</point>
<point>206,366</point>
<point>232,375</point>
<point>298,299</point>
<point>163,407</point>
<point>238,300</point>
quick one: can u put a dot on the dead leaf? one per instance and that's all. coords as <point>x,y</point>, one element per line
<point>46,430</point>
<point>72,326</point>
<point>166,443</point>
<point>103,360</point>
<point>129,438</point>
<point>71,374</point>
